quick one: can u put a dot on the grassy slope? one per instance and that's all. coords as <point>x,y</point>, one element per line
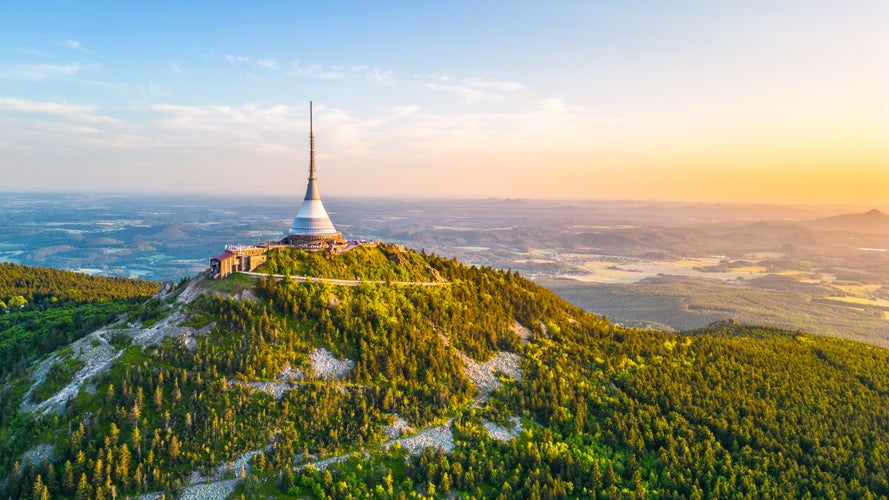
<point>379,262</point>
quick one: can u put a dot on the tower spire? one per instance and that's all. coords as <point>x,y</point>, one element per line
<point>311,144</point>
<point>312,224</point>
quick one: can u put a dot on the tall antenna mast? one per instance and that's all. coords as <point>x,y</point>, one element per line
<point>311,145</point>
<point>312,225</point>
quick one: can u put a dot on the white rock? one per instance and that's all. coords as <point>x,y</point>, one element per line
<point>523,332</point>
<point>398,427</point>
<point>325,364</point>
<point>219,490</point>
<point>432,437</point>
<point>484,375</point>
<point>38,453</point>
<point>502,433</point>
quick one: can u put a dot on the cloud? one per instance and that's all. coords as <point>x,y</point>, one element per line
<point>33,72</point>
<point>244,128</point>
<point>498,85</point>
<point>272,130</point>
<point>402,111</point>
<point>175,68</point>
<point>55,109</point>
<point>268,63</point>
<point>434,78</point>
<point>553,104</point>
<point>58,126</point>
<point>474,90</point>
<point>193,139</point>
<point>31,51</point>
<point>360,72</point>
<point>363,72</point>
<point>143,90</point>
<point>466,94</point>
<point>74,44</point>
<point>239,59</point>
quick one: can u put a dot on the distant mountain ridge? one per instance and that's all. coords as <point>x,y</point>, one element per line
<point>872,221</point>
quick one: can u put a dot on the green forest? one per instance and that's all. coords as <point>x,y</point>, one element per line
<point>44,309</point>
<point>40,284</point>
<point>606,411</point>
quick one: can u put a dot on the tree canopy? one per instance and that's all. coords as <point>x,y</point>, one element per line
<point>607,412</point>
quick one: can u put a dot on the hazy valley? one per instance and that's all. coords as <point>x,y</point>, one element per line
<point>663,265</point>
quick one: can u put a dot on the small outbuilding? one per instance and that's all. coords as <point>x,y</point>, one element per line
<point>237,258</point>
<point>223,264</point>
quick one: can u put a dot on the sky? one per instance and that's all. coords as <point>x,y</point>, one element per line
<point>730,101</point>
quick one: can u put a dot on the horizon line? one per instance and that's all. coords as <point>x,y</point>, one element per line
<point>206,194</point>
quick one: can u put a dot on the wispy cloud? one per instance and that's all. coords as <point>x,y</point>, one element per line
<point>175,68</point>
<point>364,72</point>
<point>274,130</point>
<point>553,104</point>
<point>74,44</point>
<point>51,125</point>
<point>268,63</point>
<point>466,94</point>
<point>355,72</point>
<point>473,90</point>
<point>237,59</point>
<point>44,71</point>
<point>31,51</point>
<point>530,127</point>
<point>143,91</point>
<point>248,127</point>
<point>494,85</point>
<point>402,111</point>
<point>56,109</point>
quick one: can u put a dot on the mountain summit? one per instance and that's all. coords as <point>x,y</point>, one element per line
<point>872,221</point>
<point>387,373</point>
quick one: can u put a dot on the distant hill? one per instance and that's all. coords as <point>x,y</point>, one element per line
<point>36,283</point>
<point>873,221</point>
<point>484,385</point>
<point>772,233</point>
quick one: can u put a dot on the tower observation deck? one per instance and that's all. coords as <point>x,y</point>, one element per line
<point>312,225</point>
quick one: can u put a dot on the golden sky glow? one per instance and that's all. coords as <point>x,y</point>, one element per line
<point>728,101</point>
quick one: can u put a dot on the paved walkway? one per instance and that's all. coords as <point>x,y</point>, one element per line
<point>335,281</point>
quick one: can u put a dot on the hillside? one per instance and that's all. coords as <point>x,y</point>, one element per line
<point>379,262</point>
<point>485,385</point>
<point>45,309</point>
<point>39,283</point>
<point>872,221</point>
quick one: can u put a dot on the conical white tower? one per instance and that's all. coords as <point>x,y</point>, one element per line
<point>312,224</point>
